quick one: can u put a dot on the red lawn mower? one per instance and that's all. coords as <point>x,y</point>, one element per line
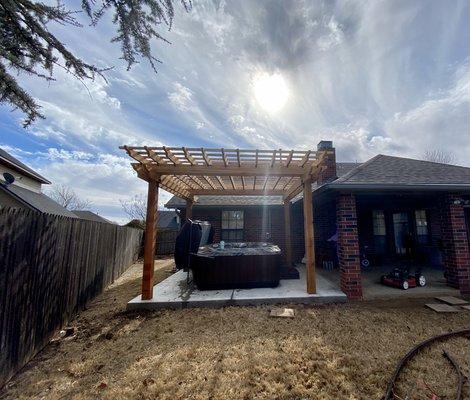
<point>402,278</point>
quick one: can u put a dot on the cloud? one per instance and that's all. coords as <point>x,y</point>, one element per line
<point>441,122</point>
<point>333,38</point>
<point>374,77</point>
<point>104,180</point>
<point>180,97</point>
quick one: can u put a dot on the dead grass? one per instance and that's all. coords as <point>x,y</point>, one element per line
<point>343,351</point>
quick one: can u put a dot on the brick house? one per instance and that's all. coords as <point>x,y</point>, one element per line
<point>384,210</point>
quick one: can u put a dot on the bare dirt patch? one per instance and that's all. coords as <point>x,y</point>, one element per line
<point>345,351</point>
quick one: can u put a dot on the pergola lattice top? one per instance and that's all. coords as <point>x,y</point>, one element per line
<point>186,172</point>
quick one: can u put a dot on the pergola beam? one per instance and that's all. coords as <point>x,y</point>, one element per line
<point>229,170</point>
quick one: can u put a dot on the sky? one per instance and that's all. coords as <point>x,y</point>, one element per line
<point>373,76</point>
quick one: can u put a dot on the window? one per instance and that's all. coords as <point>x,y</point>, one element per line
<point>378,217</point>
<point>232,226</point>
<point>380,240</point>
<point>421,226</point>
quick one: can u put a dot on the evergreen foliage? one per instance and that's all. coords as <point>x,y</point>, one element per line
<point>27,46</point>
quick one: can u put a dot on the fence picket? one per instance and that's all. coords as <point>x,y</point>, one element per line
<point>50,266</point>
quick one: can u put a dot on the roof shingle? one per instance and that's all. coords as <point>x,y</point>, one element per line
<point>383,169</point>
<point>38,201</point>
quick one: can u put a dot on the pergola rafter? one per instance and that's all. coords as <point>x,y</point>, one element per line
<point>188,172</point>
<point>200,171</point>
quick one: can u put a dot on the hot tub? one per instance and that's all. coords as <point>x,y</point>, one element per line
<point>238,265</point>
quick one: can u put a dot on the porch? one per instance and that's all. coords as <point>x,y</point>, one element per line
<point>366,234</point>
<point>372,288</point>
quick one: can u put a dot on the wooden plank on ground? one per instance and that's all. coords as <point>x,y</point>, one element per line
<point>453,301</point>
<point>443,308</point>
<point>282,313</point>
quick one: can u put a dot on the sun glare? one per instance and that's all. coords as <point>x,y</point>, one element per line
<point>271,91</point>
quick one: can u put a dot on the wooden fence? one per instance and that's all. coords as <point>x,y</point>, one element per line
<point>166,239</point>
<point>50,266</point>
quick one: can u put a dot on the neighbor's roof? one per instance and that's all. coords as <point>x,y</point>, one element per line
<point>12,162</point>
<point>221,201</point>
<point>91,216</point>
<point>383,170</point>
<point>166,218</point>
<point>37,201</point>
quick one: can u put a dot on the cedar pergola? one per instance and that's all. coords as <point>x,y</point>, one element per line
<point>191,172</point>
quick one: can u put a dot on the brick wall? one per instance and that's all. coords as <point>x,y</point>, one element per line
<point>328,170</point>
<point>324,221</point>
<point>455,244</point>
<point>348,246</point>
<point>298,241</point>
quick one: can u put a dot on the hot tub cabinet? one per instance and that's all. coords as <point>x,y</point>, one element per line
<point>238,265</point>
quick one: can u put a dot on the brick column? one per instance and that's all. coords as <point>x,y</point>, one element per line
<point>455,244</point>
<point>348,246</point>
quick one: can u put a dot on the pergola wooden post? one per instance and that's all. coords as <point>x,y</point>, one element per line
<point>288,239</point>
<point>150,238</point>
<point>308,235</point>
<point>188,172</point>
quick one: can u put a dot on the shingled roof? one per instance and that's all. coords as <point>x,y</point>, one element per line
<point>91,216</point>
<point>379,172</point>
<point>388,170</point>
<point>37,201</point>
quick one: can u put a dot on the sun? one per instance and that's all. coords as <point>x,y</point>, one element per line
<point>271,91</point>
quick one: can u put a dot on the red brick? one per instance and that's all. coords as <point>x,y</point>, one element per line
<point>348,247</point>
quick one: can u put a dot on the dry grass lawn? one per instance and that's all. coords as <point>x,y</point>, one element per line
<point>345,351</point>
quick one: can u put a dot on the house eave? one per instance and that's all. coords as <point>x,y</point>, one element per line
<point>23,171</point>
<point>412,187</point>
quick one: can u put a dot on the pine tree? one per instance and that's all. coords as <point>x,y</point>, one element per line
<point>28,47</point>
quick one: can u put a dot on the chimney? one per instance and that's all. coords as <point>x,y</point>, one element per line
<point>328,165</point>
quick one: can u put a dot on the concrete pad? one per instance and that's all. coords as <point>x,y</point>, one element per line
<point>443,308</point>
<point>290,291</point>
<point>174,292</point>
<point>453,301</point>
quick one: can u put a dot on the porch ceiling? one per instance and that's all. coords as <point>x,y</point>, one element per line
<point>186,172</point>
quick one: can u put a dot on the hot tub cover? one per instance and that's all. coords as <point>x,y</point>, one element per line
<point>239,249</point>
